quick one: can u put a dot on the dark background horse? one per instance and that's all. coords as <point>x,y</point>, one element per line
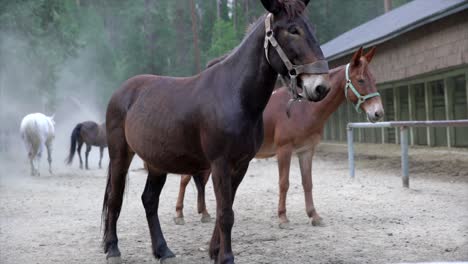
<point>91,134</point>
<point>211,120</point>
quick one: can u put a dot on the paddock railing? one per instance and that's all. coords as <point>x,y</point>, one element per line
<point>403,125</point>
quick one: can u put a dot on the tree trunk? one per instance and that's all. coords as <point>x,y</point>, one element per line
<point>196,49</point>
<point>218,9</point>
<point>246,9</point>
<point>150,36</point>
<point>234,15</point>
<point>388,5</point>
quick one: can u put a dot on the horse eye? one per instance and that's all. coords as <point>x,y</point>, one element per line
<point>293,30</point>
<point>361,81</point>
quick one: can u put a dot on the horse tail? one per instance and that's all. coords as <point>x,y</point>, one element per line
<point>74,138</point>
<point>105,206</point>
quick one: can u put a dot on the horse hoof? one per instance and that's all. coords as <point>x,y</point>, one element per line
<point>317,222</point>
<point>172,260</point>
<point>285,225</point>
<point>114,260</point>
<point>179,220</point>
<point>206,218</point>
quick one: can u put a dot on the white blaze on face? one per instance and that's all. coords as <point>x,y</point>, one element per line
<point>310,82</point>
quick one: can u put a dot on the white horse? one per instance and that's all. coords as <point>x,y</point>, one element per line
<point>37,131</point>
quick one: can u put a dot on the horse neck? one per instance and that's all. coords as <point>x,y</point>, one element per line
<point>335,97</point>
<point>250,74</point>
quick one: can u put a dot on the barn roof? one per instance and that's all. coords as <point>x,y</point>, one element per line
<point>392,24</point>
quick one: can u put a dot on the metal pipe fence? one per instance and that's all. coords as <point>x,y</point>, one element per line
<point>403,125</point>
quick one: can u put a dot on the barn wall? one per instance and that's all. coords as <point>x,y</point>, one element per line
<point>433,47</point>
<point>422,75</point>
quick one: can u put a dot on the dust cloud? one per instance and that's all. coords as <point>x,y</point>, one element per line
<point>75,98</point>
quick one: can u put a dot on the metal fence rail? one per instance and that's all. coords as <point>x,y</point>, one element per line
<point>403,125</point>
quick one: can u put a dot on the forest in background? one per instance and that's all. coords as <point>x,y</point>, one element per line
<point>56,51</point>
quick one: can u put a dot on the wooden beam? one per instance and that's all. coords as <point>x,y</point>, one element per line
<point>412,111</point>
<point>448,101</point>
<point>466,89</point>
<point>396,109</point>
<point>428,106</point>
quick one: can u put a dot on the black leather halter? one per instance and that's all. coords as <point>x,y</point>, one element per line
<point>318,67</point>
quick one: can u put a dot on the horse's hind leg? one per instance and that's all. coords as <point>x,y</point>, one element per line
<point>49,156</point>
<point>78,149</point>
<point>31,162</point>
<point>120,158</point>
<point>200,182</point>
<point>179,218</point>
<point>150,199</point>
<point>88,149</point>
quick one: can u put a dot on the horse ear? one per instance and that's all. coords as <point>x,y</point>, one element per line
<point>369,55</point>
<point>306,2</point>
<point>356,57</point>
<point>273,6</point>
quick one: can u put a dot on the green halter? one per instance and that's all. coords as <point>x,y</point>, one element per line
<point>361,99</point>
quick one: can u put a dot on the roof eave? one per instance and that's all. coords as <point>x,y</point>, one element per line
<point>444,13</point>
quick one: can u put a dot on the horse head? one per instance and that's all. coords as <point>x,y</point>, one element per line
<point>293,50</point>
<point>361,88</point>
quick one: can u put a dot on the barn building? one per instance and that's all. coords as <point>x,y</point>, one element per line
<point>421,68</point>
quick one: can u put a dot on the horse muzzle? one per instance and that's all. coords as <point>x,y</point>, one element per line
<point>314,87</point>
<point>374,109</point>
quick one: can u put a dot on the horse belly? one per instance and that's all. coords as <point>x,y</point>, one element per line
<point>165,145</point>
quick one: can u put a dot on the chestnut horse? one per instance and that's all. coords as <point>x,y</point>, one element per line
<point>91,134</point>
<point>301,133</point>
<point>209,121</point>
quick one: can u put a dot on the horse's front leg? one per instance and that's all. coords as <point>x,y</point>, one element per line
<point>88,149</point>
<point>284,162</point>
<point>200,182</point>
<point>305,163</point>
<point>225,185</point>
<point>179,218</point>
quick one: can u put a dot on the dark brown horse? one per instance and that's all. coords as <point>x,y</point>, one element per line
<point>209,121</point>
<point>301,133</point>
<point>91,134</point>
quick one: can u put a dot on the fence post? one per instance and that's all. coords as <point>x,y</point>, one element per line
<point>404,156</point>
<point>350,151</point>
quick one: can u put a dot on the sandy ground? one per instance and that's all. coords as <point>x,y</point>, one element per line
<point>372,219</point>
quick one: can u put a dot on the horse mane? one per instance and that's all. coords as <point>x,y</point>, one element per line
<point>293,8</point>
